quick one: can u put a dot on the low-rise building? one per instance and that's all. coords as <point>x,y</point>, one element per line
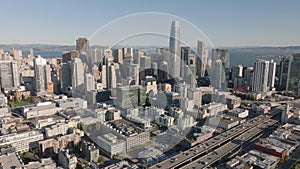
<point>212,109</point>
<point>131,133</point>
<point>3,106</point>
<point>10,160</point>
<point>7,122</point>
<point>274,147</point>
<point>53,145</point>
<point>112,136</point>
<point>113,114</point>
<point>60,128</point>
<point>111,145</point>
<point>41,123</point>
<point>229,99</point>
<point>65,103</point>
<point>40,109</point>
<point>271,149</point>
<point>225,121</point>
<point>121,164</point>
<point>153,112</point>
<point>198,135</point>
<point>262,160</point>
<point>141,122</point>
<point>67,160</point>
<point>241,113</point>
<point>165,121</point>
<point>253,159</point>
<point>90,151</point>
<point>23,141</point>
<point>44,163</point>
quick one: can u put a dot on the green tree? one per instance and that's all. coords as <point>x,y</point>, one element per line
<point>16,100</point>
<point>29,99</point>
<point>297,166</point>
<point>69,131</point>
<point>101,159</point>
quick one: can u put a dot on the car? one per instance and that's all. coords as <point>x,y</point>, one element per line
<point>173,160</point>
<point>204,162</point>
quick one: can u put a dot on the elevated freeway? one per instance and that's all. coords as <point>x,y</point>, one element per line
<point>231,147</point>
<point>204,148</point>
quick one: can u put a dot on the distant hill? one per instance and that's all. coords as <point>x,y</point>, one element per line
<point>243,51</point>
<point>289,50</point>
<point>42,47</point>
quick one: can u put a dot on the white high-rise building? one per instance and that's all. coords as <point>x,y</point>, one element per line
<point>77,71</point>
<point>174,49</point>
<point>40,74</point>
<point>260,76</point>
<point>89,82</point>
<point>96,56</point>
<point>217,74</point>
<point>236,74</point>
<point>108,72</point>
<point>112,76</point>
<point>9,74</point>
<point>272,71</point>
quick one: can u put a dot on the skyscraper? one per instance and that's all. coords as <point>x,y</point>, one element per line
<point>40,74</point>
<point>96,56</point>
<point>9,74</point>
<point>174,49</point>
<point>109,73</point>
<point>294,84</point>
<point>66,76</point>
<point>89,82</point>
<point>223,55</point>
<point>82,46</point>
<point>145,62</point>
<point>163,71</point>
<point>271,76</point>
<point>69,55</point>
<point>236,74</point>
<point>284,73</point>
<point>127,52</point>
<point>260,76</point>
<point>77,71</point>
<point>133,73</point>
<point>185,52</point>
<point>201,59</point>
<point>217,74</point>
<point>118,56</point>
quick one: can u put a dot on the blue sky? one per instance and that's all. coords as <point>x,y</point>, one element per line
<point>225,23</point>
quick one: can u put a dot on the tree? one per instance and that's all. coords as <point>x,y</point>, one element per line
<point>101,159</point>
<point>30,99</point>
<point>69,131</point>
<point>16,99</point>
<point>297,166</point>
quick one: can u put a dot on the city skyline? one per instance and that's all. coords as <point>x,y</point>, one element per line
<point>232,23</point>
<point>149,85</point>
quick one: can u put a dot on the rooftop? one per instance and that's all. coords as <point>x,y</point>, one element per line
<point>10,161</point>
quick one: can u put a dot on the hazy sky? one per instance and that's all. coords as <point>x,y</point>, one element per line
<point>225,22</point>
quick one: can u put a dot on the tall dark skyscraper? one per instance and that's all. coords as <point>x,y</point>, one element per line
<point>284,73</point>
<point>185,52</point>
<point>174,49</point>
<point>201,59</point>
<point>294,84</point>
